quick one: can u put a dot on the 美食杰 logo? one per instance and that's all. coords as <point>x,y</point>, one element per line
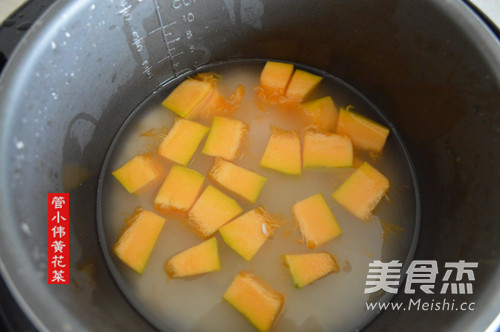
<point>422,276</point>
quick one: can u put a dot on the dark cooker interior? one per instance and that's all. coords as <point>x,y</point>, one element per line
<point>419,61</point>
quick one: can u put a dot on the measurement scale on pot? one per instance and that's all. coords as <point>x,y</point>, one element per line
<point>170,27</point>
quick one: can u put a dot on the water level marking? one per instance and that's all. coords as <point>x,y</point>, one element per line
<point>153,31</point>
<point>164,59</point>
<point>169,25</point>
<point>161,27</point>
<point>165,39</point>
<point>176,54</point>
<point>174,40</point>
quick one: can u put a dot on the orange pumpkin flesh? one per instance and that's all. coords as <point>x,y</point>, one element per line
<point>362,191</point>
<point>365,133</point>
<point>138,172</point>
<point>243,182</point>
<point>282,152</point>
<point>136,242</point>
<point>254,299</point>
<point>316,221</point>
<point>182,141</point>
<point>321,113</point>
<point>301,84</point>
<point>212,210</point>
<point>273,82</point>
<point>187,95</point>
<point>307,268</point>
<point>322,149</point>
<point>179,190</point>
<point>199,259</point>
<point>247,233</point>
<point>225,138</point>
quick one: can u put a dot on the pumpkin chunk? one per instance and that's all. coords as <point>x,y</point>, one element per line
<point>201,258</point>
<point>316,221</point>
<point>276,75</point>
<point>282,152</point>
<point>215,104</point>
<point>179,190</point>
<point>362,191</point>
<point>187,95</point>
<point>182,141</point>
<point>273,81</point>
<point>239,180</point>
<point>135,244</point>
<point>138,172</point>
<point>247,233</point>
<point>307,268</point>
<point>301,84</point>
<point>321,113</point>
<point>225,138</point>
<point>254,299</point>
<point>323,149</point>
<point>212,210</point>
<point>365,134</point>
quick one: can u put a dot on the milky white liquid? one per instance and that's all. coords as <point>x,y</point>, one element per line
<point>336,302</point>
